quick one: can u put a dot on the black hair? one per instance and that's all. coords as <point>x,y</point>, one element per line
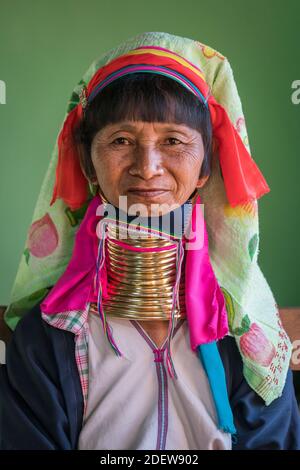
<point>147,97</point>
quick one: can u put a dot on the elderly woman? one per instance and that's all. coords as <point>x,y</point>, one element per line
<point>151,336</point>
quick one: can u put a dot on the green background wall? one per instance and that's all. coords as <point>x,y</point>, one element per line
<point>46,46</point>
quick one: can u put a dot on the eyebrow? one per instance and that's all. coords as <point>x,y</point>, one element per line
<point>131,127</point>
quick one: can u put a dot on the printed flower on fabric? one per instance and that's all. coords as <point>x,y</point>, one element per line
<point>42,238</point>
<point>253,342</point>
<point>241,210</point>
<point>252,246</point>
<point>240,124</point>
<point>229,308</point>
<point>209,52</point>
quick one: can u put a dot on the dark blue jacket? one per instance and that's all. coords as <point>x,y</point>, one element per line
<point>41,403</point>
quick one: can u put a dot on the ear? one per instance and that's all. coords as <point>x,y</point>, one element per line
<point>86,164</point>
<point>201,181</point>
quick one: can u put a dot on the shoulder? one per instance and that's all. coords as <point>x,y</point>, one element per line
<point>38,350</point>
<point>31,327</point>
<point>33,335</point>
<point>36,345</point>
<point>40,387</point>
<point>276,426</point>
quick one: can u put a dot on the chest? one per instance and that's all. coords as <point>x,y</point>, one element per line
<point>157,331</point>
<point>133,403</point>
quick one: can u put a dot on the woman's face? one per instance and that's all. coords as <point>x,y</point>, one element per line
<point>149,163</point>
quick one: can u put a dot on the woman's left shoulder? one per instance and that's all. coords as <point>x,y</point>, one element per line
<point>259,426</point>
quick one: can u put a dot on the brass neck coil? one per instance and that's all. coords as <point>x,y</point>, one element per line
<point>140,284</point>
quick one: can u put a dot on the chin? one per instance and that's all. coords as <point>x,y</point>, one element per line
<point>151,208</point>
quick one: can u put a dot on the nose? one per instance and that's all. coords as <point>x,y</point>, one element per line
<point>147,163</point>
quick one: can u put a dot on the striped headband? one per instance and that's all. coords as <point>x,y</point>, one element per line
<point>143,68</point>
<point>242,178</point>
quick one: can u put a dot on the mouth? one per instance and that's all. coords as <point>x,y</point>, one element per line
<point>153,192</point>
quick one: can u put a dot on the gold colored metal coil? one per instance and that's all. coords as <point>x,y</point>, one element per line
<point>140,284</point>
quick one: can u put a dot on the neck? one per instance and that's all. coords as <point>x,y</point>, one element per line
<point>145,266</point>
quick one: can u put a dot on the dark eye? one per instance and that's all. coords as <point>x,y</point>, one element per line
<point>118,139</point>
<point>173,138</point>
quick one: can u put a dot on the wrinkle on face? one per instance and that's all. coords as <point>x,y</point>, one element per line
<point>137,153</point>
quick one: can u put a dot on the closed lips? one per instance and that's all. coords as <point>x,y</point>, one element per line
<point>148,189</point>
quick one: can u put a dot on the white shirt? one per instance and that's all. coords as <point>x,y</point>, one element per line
<point>132,401</point>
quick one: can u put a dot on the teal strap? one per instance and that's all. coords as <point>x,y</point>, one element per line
<point>213,366</point>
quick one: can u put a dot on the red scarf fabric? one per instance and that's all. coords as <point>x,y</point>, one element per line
<point>243,180</point>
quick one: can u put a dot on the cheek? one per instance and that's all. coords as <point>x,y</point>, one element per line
<point>108,171</point>
<point>185,167</point>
